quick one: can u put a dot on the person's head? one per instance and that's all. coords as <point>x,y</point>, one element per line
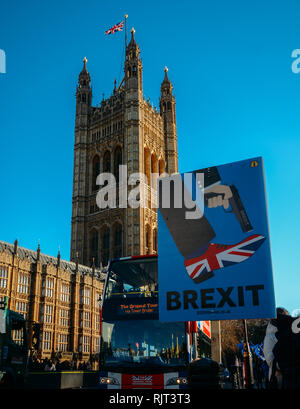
<point>279,311</point>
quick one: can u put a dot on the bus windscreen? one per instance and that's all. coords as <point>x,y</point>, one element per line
<point>132,290</point>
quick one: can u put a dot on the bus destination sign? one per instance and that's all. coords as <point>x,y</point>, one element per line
<point>137,309</point>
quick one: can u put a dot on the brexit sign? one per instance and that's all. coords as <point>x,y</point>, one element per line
<point>214,257</point>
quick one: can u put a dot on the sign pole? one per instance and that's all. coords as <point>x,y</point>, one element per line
<point>248,367</point>
<point>216,345</point>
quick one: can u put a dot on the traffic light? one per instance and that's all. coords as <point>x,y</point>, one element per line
<point>36,330</point>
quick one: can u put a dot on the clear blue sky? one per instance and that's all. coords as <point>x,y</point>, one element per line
<point>237,97</point>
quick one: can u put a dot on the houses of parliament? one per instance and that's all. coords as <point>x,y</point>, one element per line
<point>63,296</point>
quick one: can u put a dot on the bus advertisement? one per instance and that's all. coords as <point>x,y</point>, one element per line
<point>136,349</point>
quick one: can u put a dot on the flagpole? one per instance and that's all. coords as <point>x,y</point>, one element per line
<point>126,16</point>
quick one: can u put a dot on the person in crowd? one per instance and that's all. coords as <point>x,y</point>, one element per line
<point>265,369</point>
<point>58,365</point>
<point>44,364</point>
<point>275,375</point>
<point>50,367</point>
<point>259,374</point>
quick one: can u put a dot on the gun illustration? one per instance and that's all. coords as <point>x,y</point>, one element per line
<point>237,208</point>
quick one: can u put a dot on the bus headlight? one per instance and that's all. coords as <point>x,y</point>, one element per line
<point>177,381</point>
<point>105,380</point>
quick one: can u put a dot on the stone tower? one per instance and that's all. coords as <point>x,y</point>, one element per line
<point>124,129</point>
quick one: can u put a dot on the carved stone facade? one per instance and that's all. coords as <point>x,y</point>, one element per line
<point>64,296</point>
<point>60,295</point>
<point>124,129</point>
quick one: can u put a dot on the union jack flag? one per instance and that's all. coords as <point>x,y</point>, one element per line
<point>219,256</point>
<point>142,379</point>
<point>116,27</point>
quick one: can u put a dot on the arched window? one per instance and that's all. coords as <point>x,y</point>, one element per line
<point>147,164</point>
<point>94,241</point>
<point>105,239</point>
<point>117,239</point>
<point>161,167</point>
<point>117,161</point>
<point>106,162</point>
<point>96,171</point>
<point>148,239</point>
<point>154,171</point>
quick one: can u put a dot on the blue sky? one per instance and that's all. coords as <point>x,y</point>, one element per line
<point>236,98</point>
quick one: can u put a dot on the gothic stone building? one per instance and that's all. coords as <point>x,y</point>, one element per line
<point>64,296</point>
<point>125,129</point>
<point>60,295</point>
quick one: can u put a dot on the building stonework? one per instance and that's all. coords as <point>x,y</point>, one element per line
<point>63,296</point>
<point>60,295</point>
<point>127,130</point>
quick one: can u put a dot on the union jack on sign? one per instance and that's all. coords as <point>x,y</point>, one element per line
<point>117,27</point>
<point>219,256</point>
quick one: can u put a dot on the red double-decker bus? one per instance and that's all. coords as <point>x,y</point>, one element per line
<point>136,349</point>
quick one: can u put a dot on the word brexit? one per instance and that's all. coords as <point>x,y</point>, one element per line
<point>213,297</point>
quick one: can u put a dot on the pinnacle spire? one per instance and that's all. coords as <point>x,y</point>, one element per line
<point>38,252</point>
<point>84,76</point>
<point>132,41</point>
<point>166,79</point>
<point>16,246</point>
<point>84,69</point>
<point>58,257</point>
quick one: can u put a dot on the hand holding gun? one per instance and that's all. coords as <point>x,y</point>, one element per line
<point>223,195</point>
